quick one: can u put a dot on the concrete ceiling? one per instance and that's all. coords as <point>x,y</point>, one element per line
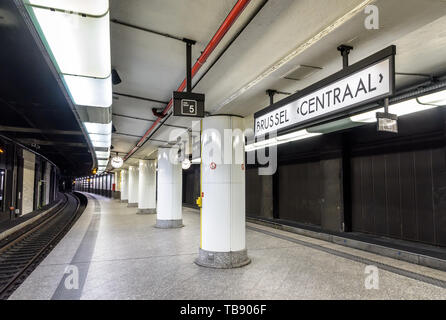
<point>153,66</point>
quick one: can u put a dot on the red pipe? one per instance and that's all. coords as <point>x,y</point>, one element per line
<point>225,26</point>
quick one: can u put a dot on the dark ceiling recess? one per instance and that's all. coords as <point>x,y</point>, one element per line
<point>34,108</point>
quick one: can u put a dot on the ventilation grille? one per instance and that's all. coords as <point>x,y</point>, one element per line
<point>301,72</point>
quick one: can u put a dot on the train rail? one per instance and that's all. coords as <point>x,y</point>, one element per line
<point>20,256</point>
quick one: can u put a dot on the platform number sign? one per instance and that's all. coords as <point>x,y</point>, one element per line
<point>188,104</point>
<point>188,107</point>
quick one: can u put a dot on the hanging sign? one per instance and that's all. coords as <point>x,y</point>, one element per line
<point>343,93</point>
<point>387,122</point>
<point>188,104</point>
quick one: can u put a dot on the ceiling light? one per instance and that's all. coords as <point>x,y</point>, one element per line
<point>100,138</point>
<point>294,136</point>
<point>264,143</point>
<point>301,134</point>
<point>102,154</point>
<point>366,117</point>
<point>437,98</point>
<point>408,107</point>
<point>90,91</point>
<point>99,128</point>
<point>400,109</point>
<point>100,144</point>
<point>80,45</point>
<point>102,163</point>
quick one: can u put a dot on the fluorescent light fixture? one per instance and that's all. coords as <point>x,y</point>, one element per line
<point>102,163</point>
<point>100,144</point>
<point>437,98</point>
<point>408,107</point>
<point>366,117</point>
<point>100,137</point>
<point>102,154</point>
<point>99,128</point>
<point>90,91</point>
<point>294,136</point>
<point>263,143</point>
<point>80,45</point>
<point>95,7</point>
<point>426,102</point>
<point>298,135</point>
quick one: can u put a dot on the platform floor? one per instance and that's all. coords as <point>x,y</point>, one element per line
<point>118,254</point>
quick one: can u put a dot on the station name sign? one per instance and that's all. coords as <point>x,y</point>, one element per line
<point>343,93</point>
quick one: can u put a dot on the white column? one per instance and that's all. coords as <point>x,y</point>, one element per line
<point>169,213</point>
<point>147,187</point>
<point>133,186</point>
<point>116,176</point>
<point>222,242</point>
<point>124,185</point>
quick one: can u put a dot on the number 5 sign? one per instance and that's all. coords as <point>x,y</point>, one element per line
<point>188,104</point>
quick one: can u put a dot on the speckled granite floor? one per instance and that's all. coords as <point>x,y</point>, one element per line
<point>118,254</point>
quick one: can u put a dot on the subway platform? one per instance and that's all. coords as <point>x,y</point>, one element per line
<point>118,254</point>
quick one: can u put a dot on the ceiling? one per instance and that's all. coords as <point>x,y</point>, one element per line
<point>283,35</point>
<point>35,109</point>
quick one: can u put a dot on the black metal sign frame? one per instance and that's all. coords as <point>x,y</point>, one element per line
<point>179,98</point>
<point>387,53</point>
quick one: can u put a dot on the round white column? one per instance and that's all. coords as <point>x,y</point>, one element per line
<point>133,187</point>
<point>116,177</point>
<point>169,204</point>
<point>147,187</point>
<point>124,185</point>
<point>223,239</point>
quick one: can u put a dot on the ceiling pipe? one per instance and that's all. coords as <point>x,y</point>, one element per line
<point>224,28</point>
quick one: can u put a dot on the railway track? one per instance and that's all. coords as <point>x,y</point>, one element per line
<point>20,256</point>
